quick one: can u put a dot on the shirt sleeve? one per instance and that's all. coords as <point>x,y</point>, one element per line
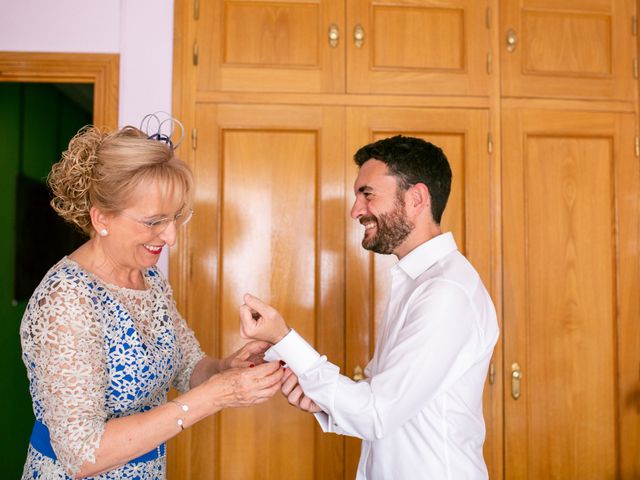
<point>190,351</point>
<point>62,347</point>
<point>433,349</point>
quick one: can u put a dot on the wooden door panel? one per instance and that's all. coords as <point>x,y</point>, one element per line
<point>568,49</point>
<point>564,189</point>
<point>418,47</point>
<point>269,220</point>
<point>269,46</point>
<point>402,41</point>
<point>563,198</point>
<point>462,135</point>
<point>265,244</point>
<point>587,36</point>
<point>271,35</point>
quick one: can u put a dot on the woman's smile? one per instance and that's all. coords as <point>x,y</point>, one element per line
<point>153,249</point>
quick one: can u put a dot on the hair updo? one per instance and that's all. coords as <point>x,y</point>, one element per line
<point>102,169</point>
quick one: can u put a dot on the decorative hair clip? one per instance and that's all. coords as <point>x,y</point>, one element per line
<point>158,128</point>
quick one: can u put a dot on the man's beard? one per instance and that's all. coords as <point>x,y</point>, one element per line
<point>392,229</point>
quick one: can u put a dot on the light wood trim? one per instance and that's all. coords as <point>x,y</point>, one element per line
<point>179,449</point>
<point>582,105</point>
<point>348,100</point>
<point>413,101</point>
<point>493,393</point>
<point>627,240</point>
<point>102,70</point>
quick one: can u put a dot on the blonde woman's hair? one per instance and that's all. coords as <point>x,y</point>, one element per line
<point>103,169</point>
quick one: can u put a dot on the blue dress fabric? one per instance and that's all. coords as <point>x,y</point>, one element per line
<point>94,352</point>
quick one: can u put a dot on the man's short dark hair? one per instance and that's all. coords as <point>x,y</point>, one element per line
<point>412,160</point>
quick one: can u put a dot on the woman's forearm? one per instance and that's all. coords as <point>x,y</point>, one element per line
<point>203,370</point>
<point>129,437</point>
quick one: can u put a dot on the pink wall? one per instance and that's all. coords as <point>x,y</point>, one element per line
<point>60,26</point>
<point>141,31</point>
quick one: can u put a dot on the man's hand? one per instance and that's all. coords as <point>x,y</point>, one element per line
<point>260,321</point>
<point>251,354</point>
<point>296,397</point>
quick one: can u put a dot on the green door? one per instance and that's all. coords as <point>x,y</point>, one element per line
<point>36,123</point>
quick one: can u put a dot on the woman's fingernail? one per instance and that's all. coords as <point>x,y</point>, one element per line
<point>251,365</point>
<point>282,363</point>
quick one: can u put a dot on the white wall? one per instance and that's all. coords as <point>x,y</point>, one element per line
<point>141,31</point>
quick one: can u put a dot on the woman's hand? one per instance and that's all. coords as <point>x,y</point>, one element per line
<point>241,387</point>
<point>260,321</point>
<point>250,354</point>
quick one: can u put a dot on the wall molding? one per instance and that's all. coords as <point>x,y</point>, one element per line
<point>101,70</point>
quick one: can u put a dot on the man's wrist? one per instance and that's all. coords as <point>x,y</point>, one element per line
<point>299,355</point>
<point>283,333</point>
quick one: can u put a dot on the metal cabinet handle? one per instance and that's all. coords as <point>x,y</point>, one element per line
<point>358,374</point>
<point>358,36</point>
<point>512,40</point>
<point>334,35</point>
<point>516,378</point>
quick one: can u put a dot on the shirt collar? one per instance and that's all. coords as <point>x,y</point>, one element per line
<point>425,255</point>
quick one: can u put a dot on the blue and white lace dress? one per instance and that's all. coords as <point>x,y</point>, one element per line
<point>94,352</point>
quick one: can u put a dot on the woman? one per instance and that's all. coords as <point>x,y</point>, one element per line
<point>102,339</point>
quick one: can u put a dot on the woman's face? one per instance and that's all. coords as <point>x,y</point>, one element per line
<point>131,243</point>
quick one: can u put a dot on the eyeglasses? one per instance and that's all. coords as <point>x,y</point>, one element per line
<point>157,226</point>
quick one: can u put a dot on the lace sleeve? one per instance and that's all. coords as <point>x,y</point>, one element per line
<point>62,347</point>
<point>190,350</point>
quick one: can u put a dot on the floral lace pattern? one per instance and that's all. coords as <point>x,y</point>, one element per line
<point>94,352</point>
<point>43,467</point>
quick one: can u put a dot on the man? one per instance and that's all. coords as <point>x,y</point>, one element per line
<point>419,411</point>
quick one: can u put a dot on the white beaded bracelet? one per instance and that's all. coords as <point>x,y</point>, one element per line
<point>184,408</point>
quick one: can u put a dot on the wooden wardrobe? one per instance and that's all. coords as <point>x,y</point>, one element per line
<point>535,103</point>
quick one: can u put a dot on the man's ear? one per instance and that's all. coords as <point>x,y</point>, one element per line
<point>99,220</point>
<point>419,198</point>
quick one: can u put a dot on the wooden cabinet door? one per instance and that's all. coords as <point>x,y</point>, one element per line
<point>270,46</point>
<point>462,134</point>
<point>417,47</point>
<point>269,219</point>
<point>571,303</point>
<point>568,49</point>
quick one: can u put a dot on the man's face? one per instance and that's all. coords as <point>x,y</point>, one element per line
<point>380,208</point>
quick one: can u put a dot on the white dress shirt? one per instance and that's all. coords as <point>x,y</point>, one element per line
<point>419,411</point>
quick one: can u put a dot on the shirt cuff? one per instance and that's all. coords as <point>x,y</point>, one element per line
<point>295,351</point>
<point>323,420</point>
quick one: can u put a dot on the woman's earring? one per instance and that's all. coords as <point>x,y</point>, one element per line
<point>104,232</point>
